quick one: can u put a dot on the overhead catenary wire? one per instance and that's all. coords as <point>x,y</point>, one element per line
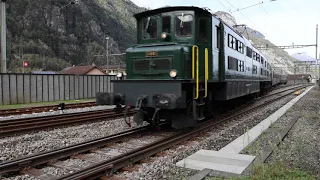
<point>250,21</point>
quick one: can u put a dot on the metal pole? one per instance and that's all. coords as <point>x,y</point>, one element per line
<point>107,38</point>
<point>3,37</point>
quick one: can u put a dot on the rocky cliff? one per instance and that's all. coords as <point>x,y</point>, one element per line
<point>51,34</point>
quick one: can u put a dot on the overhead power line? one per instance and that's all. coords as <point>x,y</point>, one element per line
<point>237,9</point>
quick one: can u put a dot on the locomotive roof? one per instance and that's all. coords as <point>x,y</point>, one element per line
<point>168,9</point>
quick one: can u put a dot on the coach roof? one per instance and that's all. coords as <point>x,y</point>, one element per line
<point>169,9</point>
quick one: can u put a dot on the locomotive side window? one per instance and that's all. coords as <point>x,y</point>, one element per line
<point>184,25</point>
<point>150,28</point>
<point>203,35</point>
<point>218,37</point>
<point>166,21</point>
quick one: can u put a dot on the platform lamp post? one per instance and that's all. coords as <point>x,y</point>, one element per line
<point>3,37</point>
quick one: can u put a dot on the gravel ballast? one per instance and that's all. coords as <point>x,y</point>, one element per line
<point>27,144</point>
<point>300,148</point>
<point>164,167</point>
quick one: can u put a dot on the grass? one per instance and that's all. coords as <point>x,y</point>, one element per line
<point>15,106</point>
<point>273,172</point>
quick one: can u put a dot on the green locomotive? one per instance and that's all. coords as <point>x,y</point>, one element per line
<point>186,61</point>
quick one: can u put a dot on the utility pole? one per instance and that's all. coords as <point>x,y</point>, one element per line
<point>107,38</point>
<point>3,37</point>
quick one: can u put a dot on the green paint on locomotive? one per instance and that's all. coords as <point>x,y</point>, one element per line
<point>155,55</point>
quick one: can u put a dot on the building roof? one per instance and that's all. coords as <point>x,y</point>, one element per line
<point>79,69</point>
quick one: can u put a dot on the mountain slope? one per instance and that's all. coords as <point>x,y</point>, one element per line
<point>74,33</point>
<point>303,56</point>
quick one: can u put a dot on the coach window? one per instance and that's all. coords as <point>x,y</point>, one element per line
<point>203,34</point>
<point>249,52</point>
<point>166,21</point>
<point>150,28</point>
<point>184,24</point>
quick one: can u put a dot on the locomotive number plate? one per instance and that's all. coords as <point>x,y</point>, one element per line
<point>151,53</point>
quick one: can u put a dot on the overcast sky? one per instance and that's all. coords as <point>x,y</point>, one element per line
<point>282,21</point>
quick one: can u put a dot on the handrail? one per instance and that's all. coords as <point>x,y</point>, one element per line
<point>206,71</point>
<point>197,68</point>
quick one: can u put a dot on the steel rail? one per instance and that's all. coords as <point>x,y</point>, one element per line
<point>13,127</point>
<point>101,168</point>
<point>29,110</point>
<point>42,158</point>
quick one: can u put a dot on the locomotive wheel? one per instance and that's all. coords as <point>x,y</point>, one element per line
<point>139,117</point>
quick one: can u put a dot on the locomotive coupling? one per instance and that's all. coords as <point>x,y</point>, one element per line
<point>103,98</point>
<point>166,101</point>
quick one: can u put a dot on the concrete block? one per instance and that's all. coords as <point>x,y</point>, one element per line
<point>216,160</point>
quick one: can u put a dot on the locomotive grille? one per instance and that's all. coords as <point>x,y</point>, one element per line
<point>161,64</point>
<point>141,65</point>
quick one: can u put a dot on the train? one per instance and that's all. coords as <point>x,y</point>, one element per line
<point>186,65</point>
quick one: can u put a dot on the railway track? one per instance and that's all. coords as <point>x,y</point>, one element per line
<point>38,109</point>
<point>18,126</point>
<point>115,161</point>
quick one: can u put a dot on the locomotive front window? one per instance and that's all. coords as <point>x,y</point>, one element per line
<point>166,21</point>
<point>150,28</point>
<point>183,25</point>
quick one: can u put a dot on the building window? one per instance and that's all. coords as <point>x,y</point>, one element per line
<point>262,60</point>
<point>254,55</point>
<point>232,63</point>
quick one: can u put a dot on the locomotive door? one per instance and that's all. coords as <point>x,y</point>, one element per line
<point>204,39</point>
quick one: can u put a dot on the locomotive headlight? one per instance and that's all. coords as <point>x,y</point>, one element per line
<point>173,73</point>
<point>163,35</point>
